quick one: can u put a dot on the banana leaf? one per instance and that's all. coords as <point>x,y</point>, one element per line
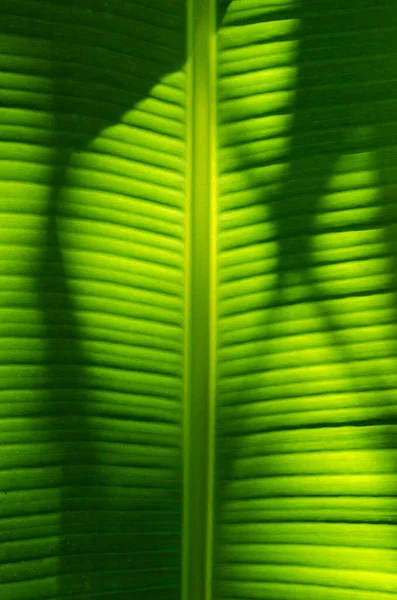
<point>198,299</point>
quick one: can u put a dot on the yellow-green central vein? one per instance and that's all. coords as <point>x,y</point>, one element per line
<point>200,302</point>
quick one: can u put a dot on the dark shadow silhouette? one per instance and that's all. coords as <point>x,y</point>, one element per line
<point>345,103</point>
<point>103,62</point>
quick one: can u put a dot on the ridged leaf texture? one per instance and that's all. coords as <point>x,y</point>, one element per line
<point>289,491</point>
<point>306,403</point>
<point>92,253</point>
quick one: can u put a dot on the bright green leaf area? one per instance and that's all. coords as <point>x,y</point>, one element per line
<point>198,299</point>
